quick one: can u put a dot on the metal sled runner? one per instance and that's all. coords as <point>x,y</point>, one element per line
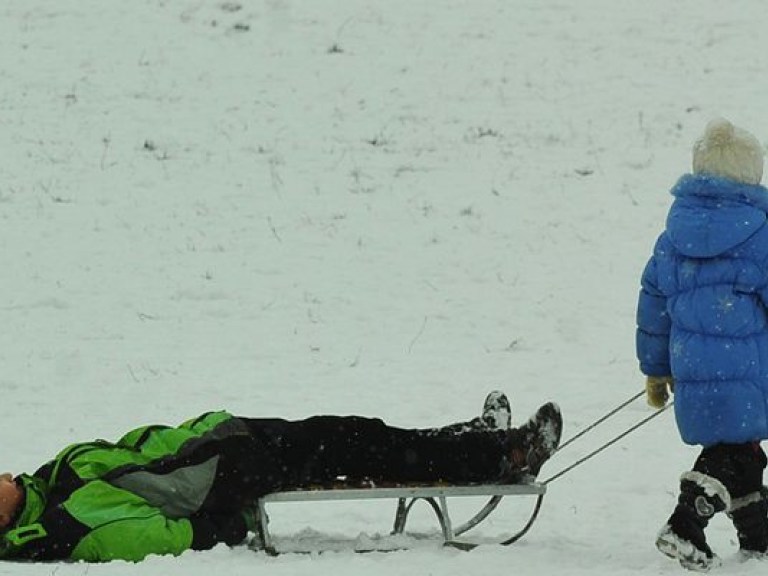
<point>435,495</point>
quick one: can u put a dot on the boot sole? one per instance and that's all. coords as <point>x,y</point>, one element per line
<point>690,557</point>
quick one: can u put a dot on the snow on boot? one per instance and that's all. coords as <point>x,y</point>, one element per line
<point>750,518</point>
<point>532,444</point>
<point>682,537</point>
<point>497,411</point>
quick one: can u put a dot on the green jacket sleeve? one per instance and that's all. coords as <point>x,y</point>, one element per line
<point>100,522</point>
<point>133,539</point>
<point>121,525</point>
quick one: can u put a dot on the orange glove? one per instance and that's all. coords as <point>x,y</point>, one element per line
<point>657,388</point>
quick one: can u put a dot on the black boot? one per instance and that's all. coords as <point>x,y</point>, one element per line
<point>750,517</point>
<point>682,537</point>
<point>497,411</point>
<point>529,446</point>
<point>496,415</point>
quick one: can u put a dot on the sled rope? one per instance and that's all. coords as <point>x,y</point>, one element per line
<point>599,421</point>
<point>610,442</point>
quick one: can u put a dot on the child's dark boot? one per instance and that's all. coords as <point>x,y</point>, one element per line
<point>750,517</point>
<point>682,537</point>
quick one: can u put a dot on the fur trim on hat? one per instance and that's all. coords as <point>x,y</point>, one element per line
<point>729,152</point>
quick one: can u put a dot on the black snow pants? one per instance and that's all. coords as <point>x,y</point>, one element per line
<point>738,466</point>
<point>283,454</point>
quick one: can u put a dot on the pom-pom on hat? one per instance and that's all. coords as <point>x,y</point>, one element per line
<point>729,152</point>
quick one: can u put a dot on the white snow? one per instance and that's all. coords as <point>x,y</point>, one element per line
<point>341,206</point>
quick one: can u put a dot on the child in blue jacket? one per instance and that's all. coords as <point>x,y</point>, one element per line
<point>703,333</point>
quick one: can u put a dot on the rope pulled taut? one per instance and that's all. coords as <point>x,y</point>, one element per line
<point>603,419</point>
<point>610,442</point>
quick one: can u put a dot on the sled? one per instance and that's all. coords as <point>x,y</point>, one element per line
<point>435,495</point>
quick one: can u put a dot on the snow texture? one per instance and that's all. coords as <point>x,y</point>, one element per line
<point>353,207</point>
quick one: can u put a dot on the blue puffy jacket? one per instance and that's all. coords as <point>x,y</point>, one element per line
<point>702,310</point>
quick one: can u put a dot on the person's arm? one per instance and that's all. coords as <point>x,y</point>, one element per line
<point>100,522</point>
<point>653,326</point>
<point>133,539</point>
<point>130,539</point>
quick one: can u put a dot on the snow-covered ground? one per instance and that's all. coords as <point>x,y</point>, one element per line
<point>345,206</point>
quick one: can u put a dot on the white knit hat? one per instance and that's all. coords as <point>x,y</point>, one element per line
<point>729,152</point>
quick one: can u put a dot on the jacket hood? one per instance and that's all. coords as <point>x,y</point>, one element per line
<point>711,215</point>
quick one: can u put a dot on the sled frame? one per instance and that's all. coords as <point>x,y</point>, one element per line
<point>436,496</point>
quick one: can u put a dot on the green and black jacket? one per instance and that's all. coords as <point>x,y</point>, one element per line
<point>154,491</point>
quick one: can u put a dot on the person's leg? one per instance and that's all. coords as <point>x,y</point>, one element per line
<point>321,449</point>
<point>738,466</point>
<point>749,508</point>
<point>723,475</point>
<point>682,537</point>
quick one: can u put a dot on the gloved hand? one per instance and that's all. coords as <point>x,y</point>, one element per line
<point>657,388</point>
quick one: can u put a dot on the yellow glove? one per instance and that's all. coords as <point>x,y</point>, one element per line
<point>656,390</point>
